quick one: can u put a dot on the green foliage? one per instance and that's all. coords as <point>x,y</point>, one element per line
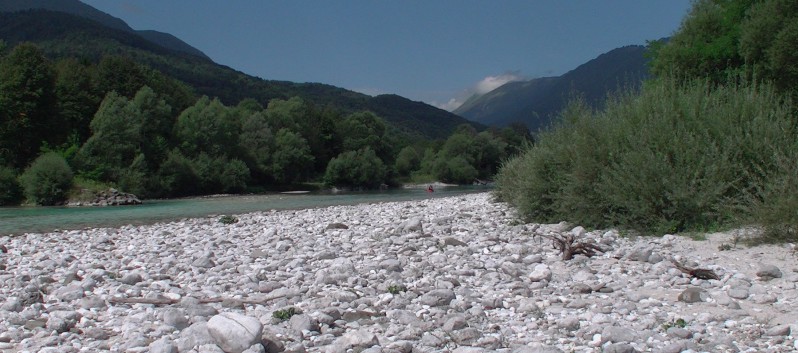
<point>706,44</point>
<point>10,190</point>
<point>456,170</point>
<point>208,126</point>
<point>285,314</point>
<point>48,180</point>
<point>361,168</point>
<point>407,161</point>
<point>115,140</point>
<point>228,219</point>
<point>679,156</point>
<point>674,323</point>
<point>177,176</point>
<point>769,40</point>
<point>27,104</point>
<point>291,161</point>
<point>396,289</point>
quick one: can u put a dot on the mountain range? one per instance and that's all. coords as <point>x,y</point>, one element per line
<point>70,28</point>
<point>536,102</point>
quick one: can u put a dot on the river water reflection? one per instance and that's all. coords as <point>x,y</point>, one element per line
<point>18,220</point>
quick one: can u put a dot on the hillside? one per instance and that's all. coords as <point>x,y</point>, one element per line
<point>63,35</point>
<point>535,102</point>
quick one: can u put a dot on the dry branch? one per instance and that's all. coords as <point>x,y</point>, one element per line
<point>167,301</point>
<point>569,247</point>
<point>700,273</point>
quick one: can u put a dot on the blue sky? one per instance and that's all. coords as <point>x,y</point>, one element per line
<point>436,51</point>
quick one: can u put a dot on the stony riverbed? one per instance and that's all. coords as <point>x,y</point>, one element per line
<point>457,274</point>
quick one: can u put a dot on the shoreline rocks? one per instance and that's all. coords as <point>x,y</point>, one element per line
<point>110,197</point>
<point>455,274</point>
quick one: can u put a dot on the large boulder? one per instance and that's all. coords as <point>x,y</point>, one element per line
<point>234,332</point>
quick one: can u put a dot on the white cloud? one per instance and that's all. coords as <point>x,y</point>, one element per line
<point>493,82</point>
<point>485,85</point>
<point>452,104</point>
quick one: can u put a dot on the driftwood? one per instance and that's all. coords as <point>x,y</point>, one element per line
<point>569,247</point>
<point>700,273</point>
<point>167,301</point>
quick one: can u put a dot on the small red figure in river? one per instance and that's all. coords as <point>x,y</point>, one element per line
<point>430,189</point>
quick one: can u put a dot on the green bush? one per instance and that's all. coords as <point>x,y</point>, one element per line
<point>48,180</point>
<point>676,157</point>
<point>10,190</point>
<point>456,170</point>
<point>361,168</point>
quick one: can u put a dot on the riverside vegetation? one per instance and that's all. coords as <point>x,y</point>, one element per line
<point>710,143</point>
<point>69,124</point>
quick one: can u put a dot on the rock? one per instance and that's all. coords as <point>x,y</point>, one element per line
<point>235,332</point>
<point>693,295</point>
<point>780,330</point>
<point>131,278</point>
<point>466,349</point>
<point>454,323</point>
<point>639,254</point>
<point>617,334</point>
<point>271,342</point>
<point>537,349</point>
<point>92,302</point>
<point>68,293</point>
<point>466,337</point>
<point>679,332</point>
<point>176,318</point>
<point>540,273</point>
<point>620,348</point>
<point>437,297</point>
<point>767,272</point>
<point>194,335</point>
<point>412,225</point>
<point>12,304</point>
<point>738,293</point>
<point>358,340</point>
<point>449,241</point>
<point>336,226</point>
<point>303,322</point>
<point>62,321</point>
<point>163,345</point>
<point>570,323</point>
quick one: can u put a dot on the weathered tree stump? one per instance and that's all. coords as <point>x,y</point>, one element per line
<point>700,273</point>
<point>569,247</point>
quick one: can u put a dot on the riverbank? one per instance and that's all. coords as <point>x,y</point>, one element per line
<point>436,275</point>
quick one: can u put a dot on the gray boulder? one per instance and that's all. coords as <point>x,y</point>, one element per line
<point>234,332</point>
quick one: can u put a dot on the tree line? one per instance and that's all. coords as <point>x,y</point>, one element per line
<point>117,123</point>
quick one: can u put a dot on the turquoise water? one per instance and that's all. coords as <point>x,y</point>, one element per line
<point>18,220</point>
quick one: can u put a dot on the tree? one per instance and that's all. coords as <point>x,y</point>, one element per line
<point>27,104</point>
<point>78,97</point>
<point>10,190</point>
<point>365,129</point>
<point>706,44</point>
<point>407,161</point>
<point>769,41</point>
<point>359,169</point>
<point>115,140</point>
<point>256,141</point>
<point>48,180</point>
<point>208,126</point>
<point>291,160</point>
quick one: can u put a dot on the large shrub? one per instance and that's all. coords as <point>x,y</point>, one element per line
<point>48,179</point>
<point>10,190</point>
<point>361,168</point>
<point>679,156</point>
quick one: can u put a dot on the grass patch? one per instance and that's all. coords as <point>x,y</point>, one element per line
<point>285,314</point>
<point>675,158</point>
<point>228,219</point>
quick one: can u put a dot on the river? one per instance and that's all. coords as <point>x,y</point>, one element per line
<point>19,220</point>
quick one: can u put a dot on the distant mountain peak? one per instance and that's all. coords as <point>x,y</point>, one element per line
<point>536,102</point>
<point>77,8</point>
